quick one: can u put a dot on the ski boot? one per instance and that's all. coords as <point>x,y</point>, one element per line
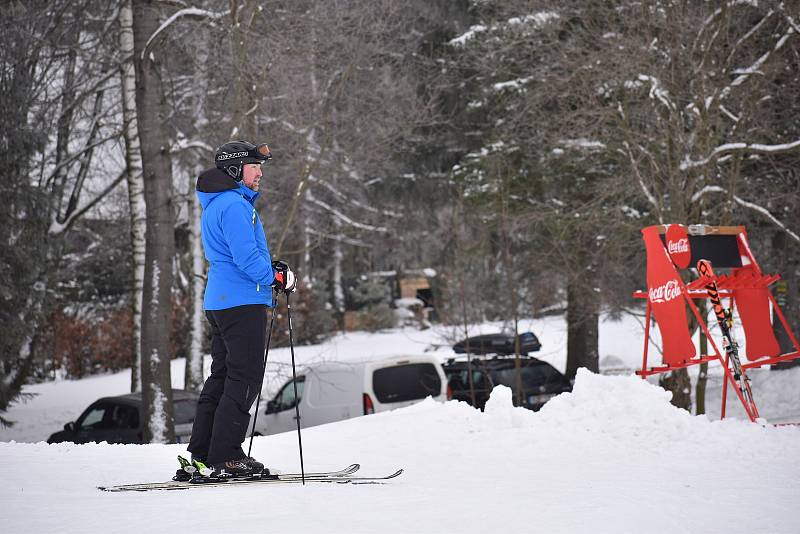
<point>241,468</point>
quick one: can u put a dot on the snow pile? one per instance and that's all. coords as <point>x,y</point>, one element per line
<point>628,413</point>
<point>632,404</point>
<point>613,456</point>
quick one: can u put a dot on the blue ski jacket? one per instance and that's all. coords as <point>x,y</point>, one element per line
<point>240,266</point>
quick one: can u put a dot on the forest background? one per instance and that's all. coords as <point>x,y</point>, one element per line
<point>515,147</point>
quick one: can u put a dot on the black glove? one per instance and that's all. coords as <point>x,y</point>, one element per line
<point>284,277</point>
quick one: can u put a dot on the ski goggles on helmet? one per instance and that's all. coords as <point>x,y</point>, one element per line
<point>239,153</point>
<point>261,152</point>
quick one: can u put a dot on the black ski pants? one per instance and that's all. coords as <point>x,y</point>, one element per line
<point>238,337</point>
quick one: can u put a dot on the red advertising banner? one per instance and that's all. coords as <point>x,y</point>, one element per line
<point>665,289</point>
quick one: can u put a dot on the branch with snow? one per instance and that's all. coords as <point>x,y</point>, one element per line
<point>345,198</point>
<point>57,227</point>
<point>764,211</point>
<point>749,34</point>
<point>793,24</point>
<point>516,84</point>
<point>81,153</point>
<point>344,218</point>
<point>689,163</point>
<point>340,238</point>
<point>462,39</point>
<point>657,91</point>
<point>752,69</point>
<point>537,20</point>
<point>647,194</point>
<point>182,143</point>
<point>187,12</point>
<point>751,205</point>
<point>582,144</point>
<point>707,189</point>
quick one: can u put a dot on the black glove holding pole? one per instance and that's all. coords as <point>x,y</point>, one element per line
<point>285,281</point>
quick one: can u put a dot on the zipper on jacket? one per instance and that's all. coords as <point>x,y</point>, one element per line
<point>258,287</point>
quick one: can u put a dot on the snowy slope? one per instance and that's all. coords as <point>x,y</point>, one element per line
<point>613,456</point>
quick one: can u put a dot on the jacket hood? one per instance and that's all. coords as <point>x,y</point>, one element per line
<point>214,182</point>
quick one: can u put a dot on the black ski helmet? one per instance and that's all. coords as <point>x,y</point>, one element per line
<point>231,156</point>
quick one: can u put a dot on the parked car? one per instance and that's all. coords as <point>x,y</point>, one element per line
<point>501,343</point>
<point>120,419</point>
<point>540,380</point>
<point>334,391</point>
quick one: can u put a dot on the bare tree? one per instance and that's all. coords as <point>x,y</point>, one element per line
<point>160,241</point>
<point>133,176</point>
<point>56,117</point>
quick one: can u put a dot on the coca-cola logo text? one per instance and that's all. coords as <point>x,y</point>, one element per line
<point>681,245</point>
<point>678,245</point>
<point>666,292</point>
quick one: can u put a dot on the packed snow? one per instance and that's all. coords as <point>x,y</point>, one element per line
<point>612,456</point>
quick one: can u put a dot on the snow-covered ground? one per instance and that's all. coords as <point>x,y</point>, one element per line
<point>613,456</point>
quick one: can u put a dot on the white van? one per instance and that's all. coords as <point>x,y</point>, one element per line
<point>333,391</point>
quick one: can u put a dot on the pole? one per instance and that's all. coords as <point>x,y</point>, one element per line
<point>294,382</point>
<point>263,370</point>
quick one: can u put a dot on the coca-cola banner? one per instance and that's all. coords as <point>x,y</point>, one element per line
<point>677,240</point>
<point>665,292</point>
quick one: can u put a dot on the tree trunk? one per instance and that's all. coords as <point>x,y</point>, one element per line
<point>135,181</point>
<point>193,372</point>
<point>193,376</point>
<point>245,103</point>
<point>582,328</point>
<point>338,284</point>
<point>679,383</point>
<point>160,239</point>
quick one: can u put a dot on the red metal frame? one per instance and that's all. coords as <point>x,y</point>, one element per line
<point>728,286</point>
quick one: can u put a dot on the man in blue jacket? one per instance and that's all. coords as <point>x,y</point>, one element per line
<point>241,277</point>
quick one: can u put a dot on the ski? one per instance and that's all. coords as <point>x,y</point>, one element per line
<point>344,476</point>
<point>349,470</point>
<point>725,319</point>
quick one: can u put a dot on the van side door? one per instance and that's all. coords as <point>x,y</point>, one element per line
<point>280,414</point>
<point>334,395</point>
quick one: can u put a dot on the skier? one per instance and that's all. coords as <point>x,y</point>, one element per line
<point>241,278</point>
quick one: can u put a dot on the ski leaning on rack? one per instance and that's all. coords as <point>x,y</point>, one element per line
<point>344,476</point>
<point>725,320</point>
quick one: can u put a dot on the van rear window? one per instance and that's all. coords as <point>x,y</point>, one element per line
<point>406,382</point>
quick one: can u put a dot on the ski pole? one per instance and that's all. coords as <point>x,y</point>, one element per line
<point>294,382</point>
<point>263,370</point>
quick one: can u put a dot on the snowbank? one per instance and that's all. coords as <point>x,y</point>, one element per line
<point>613,456</point>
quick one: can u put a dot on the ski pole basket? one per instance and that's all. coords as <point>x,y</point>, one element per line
<point>672,248</point>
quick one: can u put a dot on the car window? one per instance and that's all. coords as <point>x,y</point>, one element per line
<point>184,411</point>
<point>552,376</point>
<point>124,416</point>
<point>285,398</point>
<point>93,418</point>
<point>459,379</point>
<point>534,377</point>
<point>401,383</point>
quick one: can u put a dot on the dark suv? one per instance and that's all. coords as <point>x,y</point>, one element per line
<point>540,380</point>
<point>121,420</point>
